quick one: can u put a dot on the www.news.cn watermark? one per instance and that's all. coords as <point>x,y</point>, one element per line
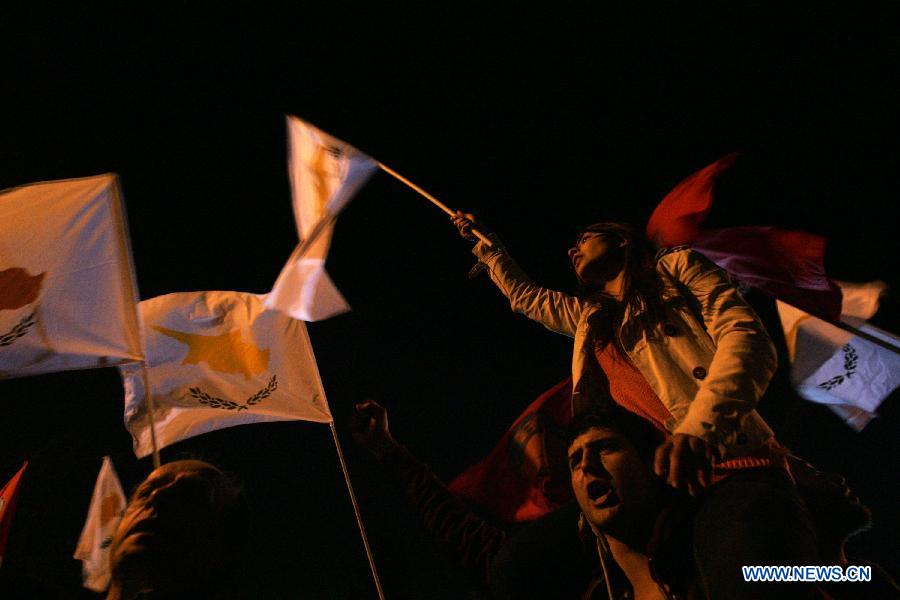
<point>807,573</point>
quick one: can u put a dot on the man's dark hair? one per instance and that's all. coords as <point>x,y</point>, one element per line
<point>640,432</point>
<point>237,515</point>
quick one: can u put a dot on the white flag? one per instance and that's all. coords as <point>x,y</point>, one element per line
<point>67,289</point>
<point>216,360</point>
<point>105,512</point>
<point>835,367</point>
<point>325,173</point>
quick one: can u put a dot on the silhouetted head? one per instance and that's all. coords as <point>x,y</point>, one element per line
<point>183,531</point>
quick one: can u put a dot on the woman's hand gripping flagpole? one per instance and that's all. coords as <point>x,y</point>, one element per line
<point>471,229</point>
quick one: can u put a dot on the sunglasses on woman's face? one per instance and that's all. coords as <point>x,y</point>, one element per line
<point>590,235</point>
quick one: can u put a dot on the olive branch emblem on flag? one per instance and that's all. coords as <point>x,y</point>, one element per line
<point>220,360</point>
<point>214,402</point>
<point>19,330</point>
<point>851,357</point>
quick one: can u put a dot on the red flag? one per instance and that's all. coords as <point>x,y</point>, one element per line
<point>785,264</point>
<point>677,219</point>
<point>8,496</point>
<point>525,476</point>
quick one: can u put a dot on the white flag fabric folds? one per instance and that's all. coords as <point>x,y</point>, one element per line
<point>832,366</point>
<point>325,173</point>
<point>68,298</point>
<point>216,360</point>
<point>104,514</point>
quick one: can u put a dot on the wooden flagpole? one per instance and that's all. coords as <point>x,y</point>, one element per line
<point>329,219</point>
<point>362,529</point>
<point>430,198</point>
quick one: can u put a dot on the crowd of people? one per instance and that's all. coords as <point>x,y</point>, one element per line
<point>678,481</point>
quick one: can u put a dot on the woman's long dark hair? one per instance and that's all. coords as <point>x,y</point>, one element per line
<point>642,287</point>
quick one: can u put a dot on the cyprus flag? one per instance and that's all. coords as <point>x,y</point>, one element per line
<point>104,513</point>
<point>850,374</point>
<point>216,360</point>
<point>325,173</point>
<point>67,289</point>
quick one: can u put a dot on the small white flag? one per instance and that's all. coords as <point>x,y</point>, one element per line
<point>325,173</point>
<point>832,366</point>
<point>68,298</point>
<point>216,360</point>
<point>104,514</point>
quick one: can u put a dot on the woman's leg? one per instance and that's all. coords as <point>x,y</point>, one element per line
<point>754,517</point>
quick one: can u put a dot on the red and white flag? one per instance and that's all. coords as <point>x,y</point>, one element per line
<point>216,360</point>
<point>788,265</point>
<point>526,475</point>
<point>325,174</point>
<point>8,496</point>
<point>679,217</point>
<point>104,514</point>
<point>785,264</point>
<point>68,298</point>
<point>829,365</point>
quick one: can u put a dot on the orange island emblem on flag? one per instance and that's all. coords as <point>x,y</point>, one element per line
<point>110,507</point>
<point>68,298</point>
<point>18,288</point>
<point>215,360</point>
<point>225,353</point>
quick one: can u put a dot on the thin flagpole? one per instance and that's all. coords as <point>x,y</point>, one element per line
<point>867,336</point>
<point>429,197</point>
<point>151,411</point>
<point>322,225</point>
<point>340,453</point>
<point>854,330</point>
<point>362,529</point>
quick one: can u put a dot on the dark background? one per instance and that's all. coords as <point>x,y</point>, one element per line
<point>538,120</point>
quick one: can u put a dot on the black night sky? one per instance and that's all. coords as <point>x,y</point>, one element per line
<point>538,120</point>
